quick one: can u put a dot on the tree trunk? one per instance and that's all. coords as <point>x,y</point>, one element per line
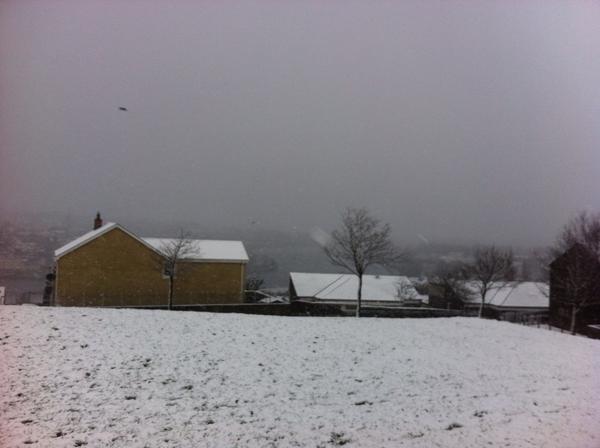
<point>481,306</point>
<point>170,305</point>
<point>574,311</point>
<point>359,301</point>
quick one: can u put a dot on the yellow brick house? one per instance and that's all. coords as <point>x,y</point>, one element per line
<point>111,266</point>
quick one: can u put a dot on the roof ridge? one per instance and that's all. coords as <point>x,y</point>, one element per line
<point>191,239</point>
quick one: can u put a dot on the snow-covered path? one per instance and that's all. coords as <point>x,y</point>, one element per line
<point>127,378</point>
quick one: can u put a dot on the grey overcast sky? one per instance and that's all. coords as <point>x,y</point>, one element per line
<point>457,120</point>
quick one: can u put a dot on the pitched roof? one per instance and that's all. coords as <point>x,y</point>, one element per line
<point>206,250</point>
<point>345,286</point>
<point>516,295</point>
<point>85,238</point>
<point>203,250</point>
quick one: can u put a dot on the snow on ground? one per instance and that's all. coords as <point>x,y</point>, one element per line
<point>127,378</point>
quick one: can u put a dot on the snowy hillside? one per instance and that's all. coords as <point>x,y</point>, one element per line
<point>125,378</point>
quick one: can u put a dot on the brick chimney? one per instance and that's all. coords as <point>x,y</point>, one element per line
<point>97,221</point>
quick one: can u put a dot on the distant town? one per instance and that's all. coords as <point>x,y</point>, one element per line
<point>27,247</point>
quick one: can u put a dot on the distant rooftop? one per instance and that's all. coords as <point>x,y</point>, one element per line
<point>345,286</point>
<point>516,295</point>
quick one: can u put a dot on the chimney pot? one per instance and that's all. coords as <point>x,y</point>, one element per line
<point>97,221</point>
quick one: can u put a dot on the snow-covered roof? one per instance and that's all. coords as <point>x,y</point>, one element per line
<point>202,250</point>
<point>345,286</point>
<point>515,295</point>
<point>206,250</point>
<point>85,238</point>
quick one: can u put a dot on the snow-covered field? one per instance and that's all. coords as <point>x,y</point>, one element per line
<point>126,378</point>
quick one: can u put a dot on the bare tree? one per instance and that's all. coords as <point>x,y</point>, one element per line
<point>491,269</point>
<point>405,291</point>
<point>575,279</point>
<point>253,285</point>
<point>261,266</point>
<point>583,229</point>
<point>174,251</point>
<point>449,279</point>
<point>360,242</point>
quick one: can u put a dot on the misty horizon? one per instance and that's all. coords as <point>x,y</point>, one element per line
<point>454,122</point>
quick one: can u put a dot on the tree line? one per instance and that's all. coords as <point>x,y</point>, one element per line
<point>362,241</point>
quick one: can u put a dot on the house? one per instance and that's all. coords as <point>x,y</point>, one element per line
<point>342,288</point>
<point>511,301</point>
<point>507,301</point>
<point>111,266</point>
<point>575,286</point>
